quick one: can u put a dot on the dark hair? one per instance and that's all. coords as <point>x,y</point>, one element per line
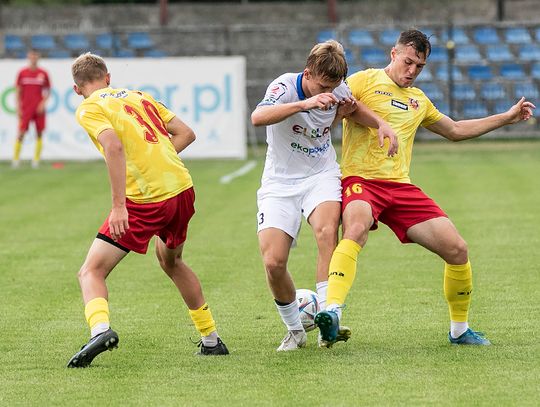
<point>416,39</point>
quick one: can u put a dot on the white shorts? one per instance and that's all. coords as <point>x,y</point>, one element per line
<point>282,205</point>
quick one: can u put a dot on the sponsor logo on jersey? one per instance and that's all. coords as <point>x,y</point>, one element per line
<point>121,94</point>
<point>274,93</point>
<point>312,133</point>
<point>382,92</point>
<point>311,151</point>
<point>414,103</point>
<point>399,105</point>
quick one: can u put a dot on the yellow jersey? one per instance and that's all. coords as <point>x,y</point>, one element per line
<point>154,172</point>
<point>404,109</point>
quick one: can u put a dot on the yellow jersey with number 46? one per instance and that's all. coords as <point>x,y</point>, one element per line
<point>154,172</point>
<point>404,109</point>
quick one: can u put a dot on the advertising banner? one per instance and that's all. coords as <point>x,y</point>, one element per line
<point>207,93</point>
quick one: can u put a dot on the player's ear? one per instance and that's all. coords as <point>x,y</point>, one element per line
<point>77,90</point>
<point>307,73</point>
<point>108,78</point>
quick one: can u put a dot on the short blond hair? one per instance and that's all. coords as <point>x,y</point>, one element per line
<point>327,60</point>
<point>88,68</point>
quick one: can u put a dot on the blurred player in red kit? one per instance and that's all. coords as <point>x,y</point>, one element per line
<point>33,89</point>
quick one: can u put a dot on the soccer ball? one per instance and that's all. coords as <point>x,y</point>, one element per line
<point>308,305</point>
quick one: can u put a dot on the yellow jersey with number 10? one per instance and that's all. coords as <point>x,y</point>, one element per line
<point>154,172</point>
<point>404,109</point>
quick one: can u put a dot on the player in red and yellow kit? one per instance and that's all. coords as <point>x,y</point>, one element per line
<point>152,195</point>
<point>376,187</point>
<point>33,89</point>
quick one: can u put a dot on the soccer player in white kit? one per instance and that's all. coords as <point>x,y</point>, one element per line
<point>301,175</point>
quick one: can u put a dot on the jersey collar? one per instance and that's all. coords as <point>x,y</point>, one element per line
<point>299,89</point>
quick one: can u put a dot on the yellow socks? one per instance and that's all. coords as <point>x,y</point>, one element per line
<point>203,320</point>
<point>96,312</point>
<point>37,151</point>
<point>457,290</point>
<point>342,271</point>
<point>17,151</point>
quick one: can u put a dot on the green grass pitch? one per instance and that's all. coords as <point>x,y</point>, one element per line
<point>398,354</point>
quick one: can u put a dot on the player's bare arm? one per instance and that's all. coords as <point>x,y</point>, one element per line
<point>467,129</point>
<point>366,117</point>
<point>181,134</point>
<point>267,115</point>
<point>113,151</point>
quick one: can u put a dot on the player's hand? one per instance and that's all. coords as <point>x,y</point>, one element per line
<point>385,131</point>
<point>346,107</point>
<point>323,101</point>
<point>522,110</point>
<point>118,222</point>
<point>40,108</point>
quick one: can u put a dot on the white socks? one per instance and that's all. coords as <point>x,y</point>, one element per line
<point>211,340</point>
<point>290,316</point>
<point>322,287</point>
<point>458,328</point>
<point>99,329</point>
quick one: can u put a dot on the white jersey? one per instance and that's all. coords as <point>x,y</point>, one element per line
<point>299,146</point>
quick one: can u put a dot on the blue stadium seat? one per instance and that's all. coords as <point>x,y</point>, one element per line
<point>125,53</point>
<point>459,36</point>
<point>486,35</point>
<point>432,91</point>
<point>527,89</point>
<point>389,37</point>
<point>360,38</point>
<point>432,35</point>
<point>517,35</point>
<point>535,71</point>
<point>537,34</point>
<point>349,56</point>
<point>474,110</point>
<point>463,91</point>
<point>438,54</point>
<point>492,91</point>
<point>373,57</point>
<point>139,40</point>
<point>512,71</point>
<point>499,53</point>
<point>325,35</point>
<point>155,53</point>
<point>480,72</point>
<point>529,52</point>
<point>108,41</point>
<point>43,42</point>
<point>59,53</point>
<point>353,68</point>
<point>442,106</point>
<point>76,42</point>
<point>502,106</point>
<point>468,53</point>
<point>425,75</point>
<point>14,43</point>
<point>442,73</point>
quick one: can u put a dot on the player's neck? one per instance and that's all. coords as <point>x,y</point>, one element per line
<point>92,87</point>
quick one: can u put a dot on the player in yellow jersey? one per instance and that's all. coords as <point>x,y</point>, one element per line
<point>152,195</point>
<point>376,187</point>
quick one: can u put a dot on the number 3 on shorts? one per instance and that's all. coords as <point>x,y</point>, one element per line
<point>261,218</point>
<point>353,189</point>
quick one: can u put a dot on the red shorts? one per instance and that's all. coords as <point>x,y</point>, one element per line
<point>167,219</point>
<point>26,117</point>
<point>396,204</point>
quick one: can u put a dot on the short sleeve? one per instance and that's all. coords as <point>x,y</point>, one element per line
<point>357,84</point>
<point>277,93</point>
<point>47,84</point>
<point>432,114</point>
<point>91,117</point>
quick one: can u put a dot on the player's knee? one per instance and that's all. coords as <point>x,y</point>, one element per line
<point>275,267</point>
<point>458,252</point>
<point>326,234</point>
<point>357,231</point>
<point>86,272</point>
